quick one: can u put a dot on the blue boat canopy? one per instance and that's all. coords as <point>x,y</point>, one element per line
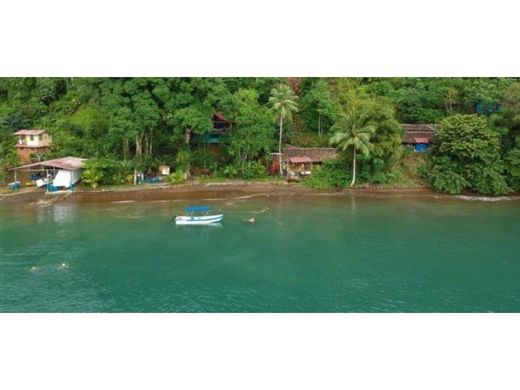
<point>191,209</point>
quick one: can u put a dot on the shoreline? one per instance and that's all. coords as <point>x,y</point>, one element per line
<point>222,190</point>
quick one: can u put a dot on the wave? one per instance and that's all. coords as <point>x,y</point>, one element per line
<point>486,198</point>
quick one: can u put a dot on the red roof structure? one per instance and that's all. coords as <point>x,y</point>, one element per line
<point>220,117</point>
<point>300,160</point>
<point>421,140</point>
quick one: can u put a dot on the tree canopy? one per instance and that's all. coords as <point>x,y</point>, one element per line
<point>144,121</point>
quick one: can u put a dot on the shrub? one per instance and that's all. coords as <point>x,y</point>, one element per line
<point>448,181</point>
<point>203,159</point>
<point>442,176</point>
<point>252,170</point>
<point>467,156</point>
<point>106,171</point>
<point>246,170</point>
<point>230,171</point>
<point>513,167</point>
<point>183,160</point>
<point>488,180</point>
<point>92,177</point>
<point>332,174</point>
<point>177,177</point>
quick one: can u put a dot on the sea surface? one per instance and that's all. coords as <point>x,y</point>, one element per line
<point>305,253</point>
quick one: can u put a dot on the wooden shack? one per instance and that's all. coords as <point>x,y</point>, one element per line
<point>299,162</point>
<point>418,136</point>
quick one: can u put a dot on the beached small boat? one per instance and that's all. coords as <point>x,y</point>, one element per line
<point>198,215</point>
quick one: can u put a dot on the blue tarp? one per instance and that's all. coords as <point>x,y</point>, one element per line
<point>421,147</point>
<point>191,209</point>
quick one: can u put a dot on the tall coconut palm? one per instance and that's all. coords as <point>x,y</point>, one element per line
<point>283,104</point>
<point>353,129</point>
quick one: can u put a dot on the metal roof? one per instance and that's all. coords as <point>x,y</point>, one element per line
<point>421,140</point>
<point>67,163</point>
<point>29,132</point>
<point>300,159</point>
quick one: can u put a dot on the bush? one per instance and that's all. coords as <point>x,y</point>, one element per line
<point>252,170</point>
<point>230,171</point>
<point>3,174</point>
<point>183,160</point>
<point>488,180</point>
<point>467,156</point>
<point>513,167</point>
<point>442,176</point>
<point>204,159</point>
<point>332,174</point>
<point>246,170</point>
<point>177,177</point>
<point>106,171</point>
<point>203,163</point>
<point>448,181</point>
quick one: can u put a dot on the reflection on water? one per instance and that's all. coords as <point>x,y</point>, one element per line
<point>64,212</point>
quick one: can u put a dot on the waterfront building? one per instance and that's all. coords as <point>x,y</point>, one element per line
<point>299,162</point>
<point>59,173</point>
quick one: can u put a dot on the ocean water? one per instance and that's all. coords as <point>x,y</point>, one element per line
<point>306,253</point>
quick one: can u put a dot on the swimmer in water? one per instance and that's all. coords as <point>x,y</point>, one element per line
<point>63,266</point>
<point>34,269</point>
<point>250,220</point>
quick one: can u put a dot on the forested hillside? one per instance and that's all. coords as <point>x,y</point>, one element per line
<point>128,124</point>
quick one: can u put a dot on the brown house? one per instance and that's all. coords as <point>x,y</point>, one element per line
<point>213,139</point>
<point>299,162</point>
<point>31,143</point>
<point>418,136</point>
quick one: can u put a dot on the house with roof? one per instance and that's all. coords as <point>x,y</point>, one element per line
<point>299,162</point>
<point>55,174</point>
<point>212,139</point>
<point>32,143</point>
<point>418,136</point>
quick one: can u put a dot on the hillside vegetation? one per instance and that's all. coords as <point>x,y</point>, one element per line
<point>124,125</point>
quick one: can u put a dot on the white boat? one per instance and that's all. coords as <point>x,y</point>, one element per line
<point>203,219</point>
<point>43,182</point>
<point>66,178</point>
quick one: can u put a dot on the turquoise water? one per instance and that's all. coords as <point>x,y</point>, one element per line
<point>304,254</point>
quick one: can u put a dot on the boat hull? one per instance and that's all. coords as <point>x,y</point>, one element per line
<point>200,220</point>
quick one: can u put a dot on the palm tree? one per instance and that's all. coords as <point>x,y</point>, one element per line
<point>283,104</point>
<point>353,129</point>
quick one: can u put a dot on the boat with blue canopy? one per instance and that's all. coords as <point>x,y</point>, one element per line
<point>198,215</point>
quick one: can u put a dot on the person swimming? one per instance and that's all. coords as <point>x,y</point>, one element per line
<point>34,269</point>
<point>250,220</point>
<point>63,266</point>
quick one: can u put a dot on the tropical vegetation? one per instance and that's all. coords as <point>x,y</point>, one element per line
<point>130,125</point>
